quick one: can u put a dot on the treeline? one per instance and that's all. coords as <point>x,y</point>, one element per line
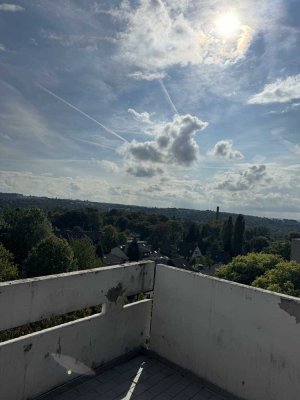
<point>277,228</point>
<point>34,243</point>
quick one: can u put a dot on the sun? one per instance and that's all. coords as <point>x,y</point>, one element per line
<point>228,24</point>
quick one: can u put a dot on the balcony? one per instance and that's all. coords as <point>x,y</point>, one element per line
<point>191,337</point>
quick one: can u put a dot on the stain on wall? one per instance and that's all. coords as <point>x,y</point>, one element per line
<point>292,307</point>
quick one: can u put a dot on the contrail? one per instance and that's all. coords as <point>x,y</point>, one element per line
<point>82,112</point>
<point>168,96</point>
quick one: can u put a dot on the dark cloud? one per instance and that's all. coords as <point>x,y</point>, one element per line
<point>146,151</point>
<point>144,171</point>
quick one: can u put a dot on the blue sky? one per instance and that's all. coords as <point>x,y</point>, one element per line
<point>154,102</point>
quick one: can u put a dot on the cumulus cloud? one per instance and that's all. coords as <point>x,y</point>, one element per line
<point>143,171</point>
<point>147,75</point>
<point>280,91</point>
<point>244,179</point>
<point>143,117</point>
<point>174,143</point>
<point>224,149</point>
<point>10,7</point>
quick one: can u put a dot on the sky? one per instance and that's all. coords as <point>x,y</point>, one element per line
<point>161,103</point>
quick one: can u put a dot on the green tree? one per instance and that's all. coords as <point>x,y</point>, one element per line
<point>257,244</point>
<point>27,228</point>
<point>245,269</point>
<point>284,278</point>
<point>122,238</point>
<point>133,251</point>
<point>193,234</point>
<point>8,270</point>
<point>283,249</point>
<point>110,238</point>
<point>227,235</point>
<point>85,254</point>
<point>87,219</point>
<point>238,236</point>
<point>50,256</point>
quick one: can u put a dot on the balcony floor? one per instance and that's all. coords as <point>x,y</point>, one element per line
<point>141,378</point>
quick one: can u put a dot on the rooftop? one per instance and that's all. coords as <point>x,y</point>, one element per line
<point>192,337</point>
<point>141,378</point>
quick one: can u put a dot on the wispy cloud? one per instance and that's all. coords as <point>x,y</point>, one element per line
<point>280,91</point>
<point>82,112</point>
<point>143,117</point>
<point>168,96</point>
<point>147,75</point>
<point>11,7</point>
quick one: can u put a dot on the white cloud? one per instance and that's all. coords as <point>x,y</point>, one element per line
<point>11,7</point>
<point>109,166</point>
<point>242,180</point>
<point>143,117</point>
<point>2,47</point>
<point>224,149</point>
<point>159,35</point>
<point>174,143</point>
<point>280,91</point>
<point>147,75</point>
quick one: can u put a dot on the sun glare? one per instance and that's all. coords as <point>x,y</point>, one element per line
<point>228,24</point>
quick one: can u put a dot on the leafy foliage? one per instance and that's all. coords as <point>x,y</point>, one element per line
<point>110,238</point>
<point>87,218</point>
<point>285,278</point>
<point>238,236</point>
<point>25,228</point>
<point>50,256</point>
<point>85,253</point>
<point>8,270</point>
<point>245,269</point>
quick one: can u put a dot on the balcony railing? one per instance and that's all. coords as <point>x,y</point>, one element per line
<point>244,340</point>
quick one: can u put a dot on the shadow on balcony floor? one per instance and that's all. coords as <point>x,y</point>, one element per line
<point>141,378</point>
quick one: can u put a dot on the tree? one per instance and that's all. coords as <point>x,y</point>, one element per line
<point>27,228</point>
<point>85,253</point>
<point>87,218</point>
<point>257,244</point>
<point>238,236</point>
<point>110,238</point>
<point>50,256</point>
<point>8,270</point>
<point>122,238</point>
<point>133,251</point>
<point>227,235</point>
<point>245,269</point>
<point>284,278</point>
<point>193,234</point>
<point>283,249</point>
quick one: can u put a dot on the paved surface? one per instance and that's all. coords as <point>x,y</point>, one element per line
<point>141,378</point>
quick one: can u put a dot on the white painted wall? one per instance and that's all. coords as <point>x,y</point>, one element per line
<point>27,369</point>
<point>242,339</point>
<point>295,251</point>
<point>30,300</point>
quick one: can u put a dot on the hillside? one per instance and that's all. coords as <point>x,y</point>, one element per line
<point>277,227</point>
